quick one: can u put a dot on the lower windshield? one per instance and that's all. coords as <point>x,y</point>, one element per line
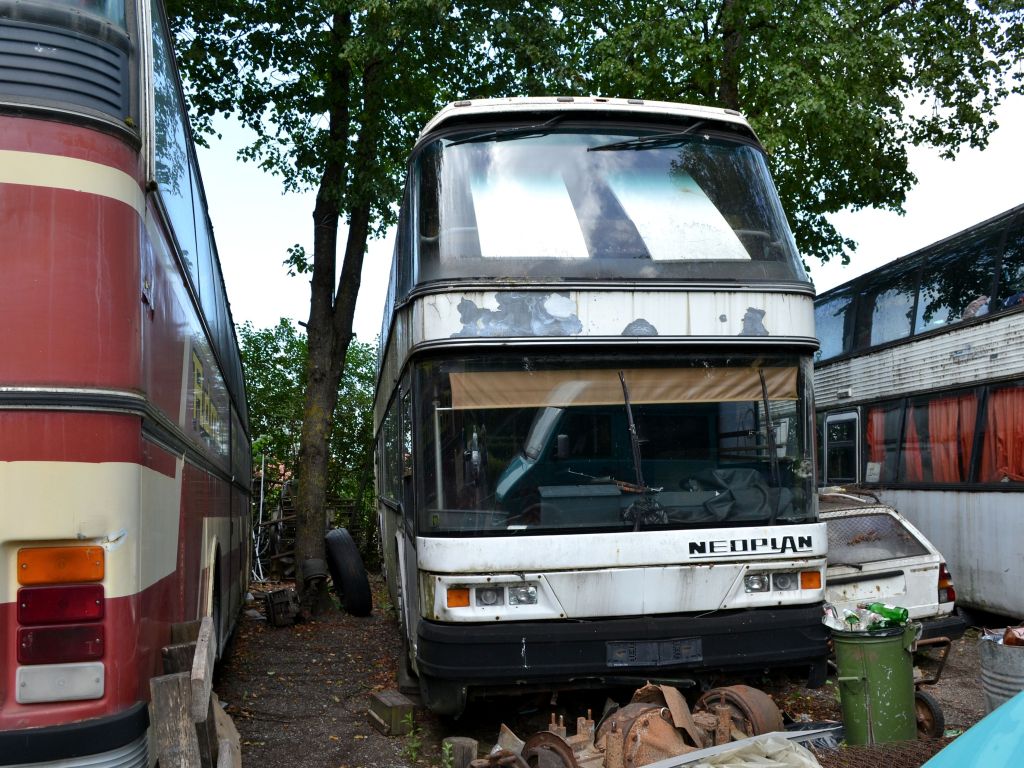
<point>549,444</point>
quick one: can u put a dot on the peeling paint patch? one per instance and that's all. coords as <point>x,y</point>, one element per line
<point>753,323</point>
<point>520,314</point>
<point>640,327</point>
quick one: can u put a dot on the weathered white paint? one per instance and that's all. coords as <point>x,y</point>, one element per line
<point>495,554</point>
<point>607,313</point>
<point>609,592</point>
<point>52,503</point>
<point>481,108</point>
<point>962,357</point>
<point>980,535</point>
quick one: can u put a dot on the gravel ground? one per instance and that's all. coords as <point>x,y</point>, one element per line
<point>299,695</point>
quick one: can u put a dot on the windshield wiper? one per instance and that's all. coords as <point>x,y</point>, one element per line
<point>773,454</point>
<point>514,132</point>
<point>647,142</point>
<point>645,509</point>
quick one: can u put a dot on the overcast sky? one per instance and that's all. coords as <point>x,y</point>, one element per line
<point>254,223</point>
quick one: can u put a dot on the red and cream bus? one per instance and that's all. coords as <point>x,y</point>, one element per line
<point>124,446</point>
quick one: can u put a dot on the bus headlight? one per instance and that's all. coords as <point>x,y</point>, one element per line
<point>756,582</point>
<point>785,581</point>
<point>522,595</point>
<point>489,596</point>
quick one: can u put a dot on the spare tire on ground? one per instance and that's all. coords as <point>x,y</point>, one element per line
<point>347,573</point>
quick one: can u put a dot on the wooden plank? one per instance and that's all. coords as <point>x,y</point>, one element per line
<point>175,734</point>
<point>206,731</point>
<point>202,671</point>
<point>185,632</point>
<point>229,743</point>
<point>178,657</point>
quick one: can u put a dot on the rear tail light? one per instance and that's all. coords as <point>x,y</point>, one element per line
<point>58,645</point>
<point>60,604</point>
<point>947,594</point>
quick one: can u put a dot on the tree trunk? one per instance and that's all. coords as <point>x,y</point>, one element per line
<point>329,330</point>
<point>733,40</point>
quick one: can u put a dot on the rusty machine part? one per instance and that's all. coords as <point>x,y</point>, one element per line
<point>736,712</point>
<point>647,734</point>
<point>667,696</point>
<point>500,759</point>
<point>547,743</point>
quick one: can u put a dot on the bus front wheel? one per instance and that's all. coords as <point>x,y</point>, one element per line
<point>442,697</point>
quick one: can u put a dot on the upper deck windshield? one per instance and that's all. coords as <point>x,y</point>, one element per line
<point>618,203</point>
<point>544,445</point>
<point>107,10</point>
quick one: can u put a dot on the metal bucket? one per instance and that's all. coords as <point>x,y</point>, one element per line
<point>1002,671</point>
<point>876,684</point>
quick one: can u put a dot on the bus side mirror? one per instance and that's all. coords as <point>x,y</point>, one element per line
<point>562,447</point>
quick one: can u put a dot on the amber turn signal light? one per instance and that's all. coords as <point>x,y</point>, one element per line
<point>458,597</point>
<point>810,579</point>
<point>59,565</point>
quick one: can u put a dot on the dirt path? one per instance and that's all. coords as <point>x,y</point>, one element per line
<point>299,695</point>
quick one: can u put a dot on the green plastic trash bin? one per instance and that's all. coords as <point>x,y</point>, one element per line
<point>876,684</point>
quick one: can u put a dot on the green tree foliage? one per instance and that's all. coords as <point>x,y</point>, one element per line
<point>274,361</point>
<point>835,89</point>
<point>336,92</point>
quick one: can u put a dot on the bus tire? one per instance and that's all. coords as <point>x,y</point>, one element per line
<point>347,573</point>
<point>442,697</point>
<point>408,682</point>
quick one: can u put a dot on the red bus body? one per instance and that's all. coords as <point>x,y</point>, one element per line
<point>124,451</point>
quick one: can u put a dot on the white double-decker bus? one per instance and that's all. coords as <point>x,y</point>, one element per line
<point>920,397</point>
<point>594,407</point>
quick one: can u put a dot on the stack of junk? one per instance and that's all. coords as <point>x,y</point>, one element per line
<point>729,726</point>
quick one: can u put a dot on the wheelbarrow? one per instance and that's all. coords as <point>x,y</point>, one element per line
<point>931,724</point>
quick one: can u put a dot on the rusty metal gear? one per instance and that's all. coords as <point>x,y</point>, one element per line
<point>547,743</point>
<point>752,711</point>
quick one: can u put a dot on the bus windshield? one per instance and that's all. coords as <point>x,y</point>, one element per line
<point>108,10</point>
<point>584,204</point>
<point>543,444</point>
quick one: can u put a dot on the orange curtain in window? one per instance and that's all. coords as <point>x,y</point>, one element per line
<point>912,472</point>
<point>950,433</point>
<point>1002,457</point>
<point>876,435</point>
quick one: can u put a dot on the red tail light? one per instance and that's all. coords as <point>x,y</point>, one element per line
<point>57,645</point>
<point>60,605</point>
<point>947,594</point>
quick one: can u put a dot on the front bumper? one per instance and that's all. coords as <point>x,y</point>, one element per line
<point>621,649</point>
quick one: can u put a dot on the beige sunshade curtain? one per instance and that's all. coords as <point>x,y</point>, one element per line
<point>537,389</point>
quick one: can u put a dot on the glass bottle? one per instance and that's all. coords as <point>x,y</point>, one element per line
<point>893,613</point>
